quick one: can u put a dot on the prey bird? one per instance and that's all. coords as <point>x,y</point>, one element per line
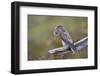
<point>65,37</point>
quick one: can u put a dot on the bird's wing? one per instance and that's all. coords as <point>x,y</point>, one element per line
<point>67,37</point>
<point>67,40</point>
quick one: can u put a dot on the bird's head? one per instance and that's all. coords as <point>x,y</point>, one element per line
<point>58,30</point>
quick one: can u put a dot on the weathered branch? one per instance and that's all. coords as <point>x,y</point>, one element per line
<point>82,43</point>
<point>79,45</point>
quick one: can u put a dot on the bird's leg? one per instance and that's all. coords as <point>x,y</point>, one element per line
<point>72,51</point>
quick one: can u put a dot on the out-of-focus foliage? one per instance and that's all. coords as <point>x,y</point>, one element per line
<point>41,38</point>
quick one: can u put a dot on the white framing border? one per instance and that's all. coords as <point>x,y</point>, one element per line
<point>24,64</point>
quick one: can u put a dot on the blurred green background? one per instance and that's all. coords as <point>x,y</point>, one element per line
<point>41,38</point>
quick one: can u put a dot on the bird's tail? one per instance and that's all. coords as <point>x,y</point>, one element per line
<point>73,51</point>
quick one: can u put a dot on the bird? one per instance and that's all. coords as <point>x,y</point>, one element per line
<point>65,37</point>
